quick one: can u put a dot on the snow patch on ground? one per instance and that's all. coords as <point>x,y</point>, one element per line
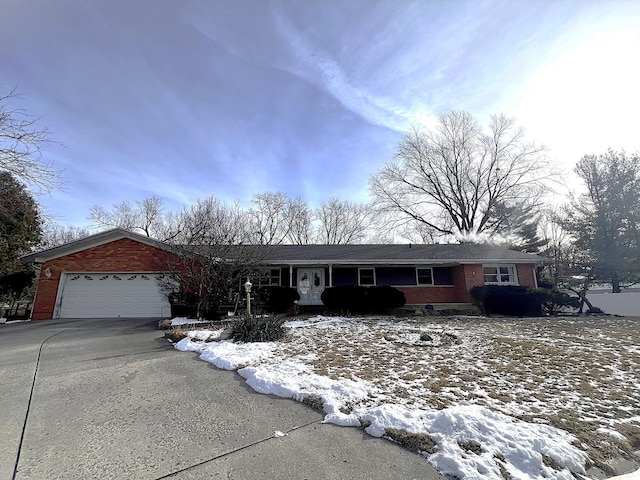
<point>186,321</point>
<point>377,373</point>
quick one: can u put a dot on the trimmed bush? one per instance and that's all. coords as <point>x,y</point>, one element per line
<point>358,300</point>
<point>506,300</point>
<point>276,299</point>
<point>385,298</point>
<point>344,299</point>
<point>521,301</point>
<point>250,328</point>
<point>554,302</point>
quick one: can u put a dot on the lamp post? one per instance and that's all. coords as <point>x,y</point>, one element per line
<point>247,288</point>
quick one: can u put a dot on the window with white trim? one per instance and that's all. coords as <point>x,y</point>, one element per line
<point>424,276</point>
<point>500,274</point>
<point>270,277</point>
<point>366,277</point>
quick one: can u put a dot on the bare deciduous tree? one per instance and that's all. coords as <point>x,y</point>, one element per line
<point>209,258</point>
<point>268,218</point>
<point>457,180</point>
<point>21,140</point>
<point>299,217</point>
<point>342,222</point>
<point>146,216</point>
<point>55,234</point>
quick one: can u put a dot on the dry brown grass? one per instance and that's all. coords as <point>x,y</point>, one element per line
<point>578,374</point>
<point>417,442</point>
<point>314,402</point>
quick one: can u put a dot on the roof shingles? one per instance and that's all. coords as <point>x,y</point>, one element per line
<point>394,252</point>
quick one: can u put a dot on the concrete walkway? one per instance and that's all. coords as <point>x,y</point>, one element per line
<point>111,399</point>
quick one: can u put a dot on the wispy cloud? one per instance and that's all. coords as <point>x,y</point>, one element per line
<point>186,99</point>
<point>315,65</point>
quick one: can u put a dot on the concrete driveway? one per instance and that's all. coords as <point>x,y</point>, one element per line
<point>111,399</point>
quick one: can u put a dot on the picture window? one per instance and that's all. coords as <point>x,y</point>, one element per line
<point>500,274</point>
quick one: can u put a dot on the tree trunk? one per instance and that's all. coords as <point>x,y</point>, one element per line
<point>582,295</point>
<point>615,282</point>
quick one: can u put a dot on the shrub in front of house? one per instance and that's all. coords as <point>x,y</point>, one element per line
<point>183,305</point>
<point>554,302</point>
<point>385,298</point>
<point>520,301</point>
<point>345,299</point>
<point>276,299</point>
<point>357,300</point>
<point>186,305</point>
<point>258,328</point>
<point>506,300</point>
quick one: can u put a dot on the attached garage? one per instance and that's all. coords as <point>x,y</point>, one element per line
<point>110,295</point>
<point>108,275</point>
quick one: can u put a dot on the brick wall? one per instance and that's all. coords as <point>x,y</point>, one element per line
<point>124,255</point>
<point>526,276</point>
<point>465,277</point>
<point>428,295</point>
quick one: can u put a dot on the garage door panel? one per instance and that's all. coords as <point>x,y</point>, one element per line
<point>91,295</point>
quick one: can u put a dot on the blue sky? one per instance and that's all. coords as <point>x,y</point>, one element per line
<point>189,98</point>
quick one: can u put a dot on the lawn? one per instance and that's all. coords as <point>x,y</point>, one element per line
<point>502,398</point>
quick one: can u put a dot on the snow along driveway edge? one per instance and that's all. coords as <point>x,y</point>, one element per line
<point>524,450</point>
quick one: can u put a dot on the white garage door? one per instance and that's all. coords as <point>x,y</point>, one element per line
<point>110,295</point>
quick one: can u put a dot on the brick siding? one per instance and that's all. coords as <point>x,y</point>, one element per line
<point>526,276</point>
<point>428,295</point>
<point>124,255</point>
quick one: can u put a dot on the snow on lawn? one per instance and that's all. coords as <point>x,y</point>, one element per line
<point>175,322</point>
<point>488,398</point>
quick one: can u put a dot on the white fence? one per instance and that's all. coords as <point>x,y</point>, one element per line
<point>624,303</point>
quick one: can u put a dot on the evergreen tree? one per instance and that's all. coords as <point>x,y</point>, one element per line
<point>20,223</point>
<point>604,220</point>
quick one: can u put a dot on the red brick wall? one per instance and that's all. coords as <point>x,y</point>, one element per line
<point>465,277</point>
<point>427,295</point>
<point>526,277</point>
<point>122,255</point>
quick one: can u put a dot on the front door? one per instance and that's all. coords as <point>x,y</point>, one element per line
<point>310,284</point>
